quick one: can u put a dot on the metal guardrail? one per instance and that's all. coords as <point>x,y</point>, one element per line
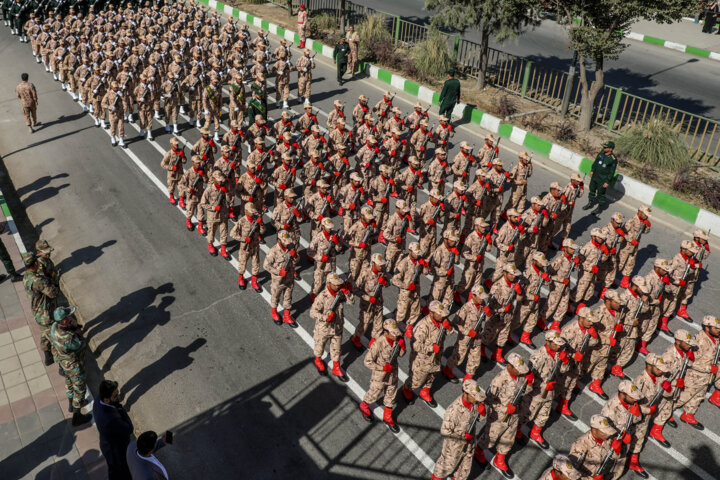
<point>614,109</point>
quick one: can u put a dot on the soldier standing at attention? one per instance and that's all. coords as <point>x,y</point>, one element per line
<point>340,58</point>
<point>302,19</point>
<point>450,94</point>
<point>70,346</point>
<point>43,298</point>
<point>601,174</point>
<point>28,99</point>
<point>353,40</point>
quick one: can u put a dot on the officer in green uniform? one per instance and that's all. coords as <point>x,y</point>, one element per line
<point>601,175</point>
<point>340,58</point>
<point>70,346</point>
<point>257,105</point>
<point>450,94</point>
<point>46,265</point>
<point>15,14</point>
<point>43,299</point>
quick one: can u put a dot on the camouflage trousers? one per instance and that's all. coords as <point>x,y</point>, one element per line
<point>454,458</point>
<point>75,387</point>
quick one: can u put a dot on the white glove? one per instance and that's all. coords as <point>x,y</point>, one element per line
<point>95,91</point>
<point>150,87</point>
<point>192,89</point>
<point>304,69</point>
<point>237,109</point>
<point>206,112</point>
<point>60,58</point>
<point>112,109</point>
<point>141,100</point>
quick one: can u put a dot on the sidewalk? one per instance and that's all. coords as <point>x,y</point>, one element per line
<point>36,438</point>
<point>684,35</point>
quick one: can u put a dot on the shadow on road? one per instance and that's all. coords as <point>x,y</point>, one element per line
<point>58,440</point>
<point>84,256</point>
<point>39,183</point>
<point>43,194</point>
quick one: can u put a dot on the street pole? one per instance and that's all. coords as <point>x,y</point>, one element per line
<point>569,85</point>
<point>342,17</point>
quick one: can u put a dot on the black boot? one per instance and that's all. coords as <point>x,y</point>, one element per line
<point>598,210</point>
<point>70,405</point>
<point>79,418</point>
<point>589,205</point>
<point>49,360</point>
<point>16,277</point>
<point>61,372</point>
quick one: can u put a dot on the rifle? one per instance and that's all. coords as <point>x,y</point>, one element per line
<point>616,239</point>
<point>427,138</point>
<point>252,232</point>
<point>518,396</point>
<point>339,298</point>
<point>220,199</point>
<point>418,271</point>
<point>715,362</point>
<point>608,455</point>
<point>193,188</point>
<point>511,298</point>
<point>332,245</point>
<point>440,207</point>
<point>376,292</point>
<point>702,251</point>
<point>326,204</point>
<point>469,431</point>
<point>451,263</point>
<point>481,318</point>
<point>298,208</point>
<point>439,341</point>
<point>394,355</point>
<point>466,170</point>
<point>496,149</point>
<point>178,162</point>
<point>290,260</point>
<point>619,321</point>
<point>517,233</point>
<point>369,231</point>
<point>554,371</point>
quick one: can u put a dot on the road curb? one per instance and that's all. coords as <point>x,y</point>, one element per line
<point>640,37</point>
<point>557,153</point>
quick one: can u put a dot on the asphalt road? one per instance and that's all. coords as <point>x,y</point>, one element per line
<point>659,74</point>
<point>195,355</point>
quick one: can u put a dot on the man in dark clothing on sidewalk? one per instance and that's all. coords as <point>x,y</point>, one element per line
<point>115,428</point>
<point>601,175</point>
<point>340,58</point>
<point>7,262</point>
<point>450,94</point>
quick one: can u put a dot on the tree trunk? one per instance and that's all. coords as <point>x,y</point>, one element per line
<point>589,93</point>
<point>342,17</point>
<point>484,44</point>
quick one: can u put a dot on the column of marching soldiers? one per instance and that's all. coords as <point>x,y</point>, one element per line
<point>180,57</point>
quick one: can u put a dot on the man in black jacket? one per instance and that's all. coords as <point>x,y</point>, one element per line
<point>115,428</point>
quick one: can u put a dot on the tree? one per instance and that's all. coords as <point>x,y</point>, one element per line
<point>596,31</point>
<point>503,19</point>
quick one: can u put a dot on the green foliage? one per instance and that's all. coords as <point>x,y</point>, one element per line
<point>374,37</point>
<point>657,143</point>
<point>254,2</point>
<point>320,24</point>
<point>431,57</point>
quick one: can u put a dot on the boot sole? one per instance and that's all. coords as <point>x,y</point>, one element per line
<point>544,445</point>
<point>641,474</point>
<point>570,417</point>
<point>665,444</point>
<point>432,404</point>
<point>322,373</point>
<point>291,325</point>
<point>258,290</point>
<point>343,379</point>
<point>393,428</point>
<point>696,426</point>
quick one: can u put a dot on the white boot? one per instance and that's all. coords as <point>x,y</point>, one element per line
<point>198,124</point>
<point>130,118</point>
<point>121,143</point>
<point>157,114</point>
<point>307,99</point>
<point>92,110</point>
<point>182,109</point>
<point>74,96</point>
<point>113,142</point>
<point>167,127</point>
<point>97,122</point>
<point>149,137</point>
<point>25,39</point>
<point>38,59</point>
<point>102,123</point>
<point>85,109</point>
<point>285,104</point>
<point>175,129</point>
<point>216,137</point>
<point>62,87</point>
<point>55,77</point>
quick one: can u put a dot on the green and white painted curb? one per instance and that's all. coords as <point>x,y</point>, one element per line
<point>558,154</point>
<point>11,224</point>
<point>673,46</point>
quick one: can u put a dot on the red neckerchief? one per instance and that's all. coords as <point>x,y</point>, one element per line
<point>537,270</point>
<point>569,257</point>
<point>597,440</point>
<point>582,329</point>
<point>217,187</point>
<point>374,270</point>
<point>652,377</point>
<point>227,159</point>
<point>196,170</point>
<point>550,352</point>
<point>364,108</point>
<point>178,152</point>
<point>286,166</point>
<point>444,164</point>
<point>514,226</point>
<point>322,195</point>
<point>632,292</point>
<point>250,219</point>
<point>713,339</point>
<point>414,262</point>
<point>612,312</point>
<point>334,294</point>
<point>259,149</point>
<point>444,126</point>
<point>597,245</point>
<point>282,247</point>
<point>389,340</point>
<point>288,204</point>
<point>511,375</point>
<point>286,144</point>
<point>234,132</point>
<point>389,102</point>
<point>363,223</point>
<point>437,324</point>
<point>686,258</point>
<point>552,474</point>
<point>434,204</point>
<point>327,235</point>
<point>468,405</point>
<point>626,406</point>
<point>466,155</point>
<point>252,175</point>
<point>509,284</point>
<point>477,305</point>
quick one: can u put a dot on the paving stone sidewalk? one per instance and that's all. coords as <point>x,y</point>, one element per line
<point>37,440</point>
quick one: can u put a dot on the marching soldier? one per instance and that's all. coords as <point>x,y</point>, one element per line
<point>173,161</point>
<point>212,105</point>
<point>427,217</point>
<point>352,197</point>
<point>455,207</point>
<point>215,203</point>
<point>43,298</point>
<point>555,204</point>
<point>66,337</point>
<point>327,311</point>
<point>283,67</point>
<point>251,186</point>
<point>558,299</point>
<point>412,121</point>
<point>395,232</point>
<point>622,410</point>
<point>319,205</point>
<point>384,376</point>
<point>173,98</point>
<point>359,238</point>
<point>306,120</point>
<point>636,307</point>
<point>609,315</point>
<point>458,432</point>
<point>498,327</point>
<point>406,279</point>
<point>519,177</point>
<point>192,84</point>
<point>503,401</point>
<point>419,140</point>
<point>236,108</point>
<point>463,162</point>
<point>360,111</point>
<point>323,249</point>
<point>634,228</point>
<point>702,247</point>
<point>428,340</point>
<point>381,187</point>
<point>383,108</point>
<point>234,138</point>
<point>682,262</point>
<point>527,310</point>
<point>468,345</point>
<point>112,102</point>
<point>507,241</point>
<point>442,266</point>
<point>438,170</point>
<point>280,262</point>
<point>473,251</point>
<point>592,447</point>
<point>536,219</point>
<point>614,239</point>
<point>368,287</point>
<point>572,192</point>
<point>304,67</point>
<point>443,132</point>
<point>191,187</point>
<point>283,177</point>
<point>590,255</point>
<point>287,216</point>
<point>247,232</point>
<point>495,178</point>
<point>143,93</point>
<point>657,280</point>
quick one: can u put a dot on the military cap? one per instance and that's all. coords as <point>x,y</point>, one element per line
<point>435,193</point>
<point>218,176</point>
<point>287,135</point>
<point>662,263</point>
<point>710,321</point>
<point>480,172</point>
<point>372,139</point>
<point>377,258</point>
<point>384,168</point>
<point>284,236</point>
<point>657,361</point>
<point>391,326</point>
<point>440,151</point>
<point>251,164</point>
<point>439,308</point>
<point>687,245</point>
<point>490,137</point>
<point>512,212</point>
<point>451,234</point>
<point>387,94</point>
<point>497,161</point>
<point>402,205</point>
<point>596,232</point>
<point>326,223</point>
<point>204,131</point>
<point>340,121</point>
<point>395,131</point>
<point>464,145</point>
<point>412,159</point>
<point>480,222</point>
<point>540,258</point>
<point>341,146</point>
<point>443,118</point>
<point>259,140</point>
<point>322,183</point>
<point>639,280</point>
<point>335,279</point>
<point>511,268</point>
<point>307,105</point>
<point>314,153</point>
<point>555,185</point>
<point>174,141</point>
<point>367,211</point>
<point>555,337</point>
<point>478,291</point>
<point>517,361</point>
<point>645,209</point>
<point>562,464</point>
<point>356,177</point>
<point>61,313</point>
<point>29,259</point>
<point>396,110</point>
<point>524,156</point>
<point>685,336</point>
<point>225,148</point>
<point>569,243</point>
<point>369,119</point>
<point>603,424</point>
<point>618,217</point>
<point>609,144</point>
<point>315,128</point>
<point>629,388</point>
<point>576,177</point>
<point>424,122</point>
<point>306,51</point>
<point>259,119</point>
<point>414,247</point>
<point>615,296</point>
<point>471,388</point>
<point>289,192</point>
<point>460,185</point>
<point>537,200</point>
<point>701,234</point>
<point>43,246</point>
<point>588,314</point>
<point>196,159</point>
<point>250,208</point>
<point>362,98</point>
<point>286,156</point>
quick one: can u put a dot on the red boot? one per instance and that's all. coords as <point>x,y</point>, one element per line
<point>479,455</point>
<point>388,419</point>
<point>201,229</point>
<point>483,353</point>
<point>617,370</point>
<point>579,306</point>
<point>469,295</point>
<point>211,249</point>
<point>456,297</point>
<point>564,408</point>
<point>425,395</point>
<point>525,338</point>
<point>625,282</point>
<point>682,312</point>
<point>433,477</point>
<point>499,462</point>
<point>288,319</point>
<point>596,388</point>
<point>488,283</point>
<point>312,297</point>
<point>275,316</point>
<point>365,409</point>
<point>337,371</point>
<point>656,433</point>
<point>447,371</point>
<point>536,435</point>
<point>254,284</point>
<point>425,310</point>
<point>715,398</point>
<point>541,323</point>
<point>223,252</point>
<point>189,225</point>
<point>231,213</point>
<point>407,393</point>
<point>690,419</point>
<point>181,202</point>
<point>641,347</point>
<point>518,433</point>
<point>356,342</point>
<point>664,325</point>
<point>302,44</point>
<point>634,465</point>
<point>467,377</point>
<point>172,200</point>
<point>320,365</point>
<point>555,325</point>
<point>498,357</point>
<point>241,282</point>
